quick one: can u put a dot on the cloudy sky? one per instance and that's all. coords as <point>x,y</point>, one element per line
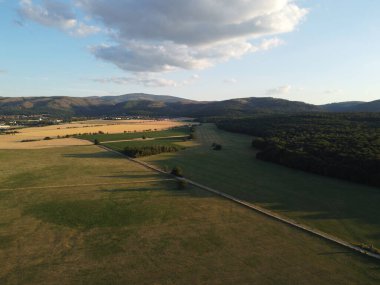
<point>314,51</point>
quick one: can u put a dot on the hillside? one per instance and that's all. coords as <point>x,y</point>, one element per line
<point>145,104</point>
<point>354,106</point>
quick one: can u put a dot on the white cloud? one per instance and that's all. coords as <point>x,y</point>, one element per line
<point>153,36</point>
<point>57,14</point>
<point>156,36</point>
<point>333,91</point>
<point>230,81</point>
<point>145,81</point>
<point>148,80</point>
<point>282,90</point>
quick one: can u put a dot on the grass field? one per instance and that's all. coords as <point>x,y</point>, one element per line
<point>178,131</point>
<point>349,211</point>
<point>80,225</point>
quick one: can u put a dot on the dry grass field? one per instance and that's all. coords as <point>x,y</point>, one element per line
<point>94,126</point>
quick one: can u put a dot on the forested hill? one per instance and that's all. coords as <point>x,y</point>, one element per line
<point>159,105</point>
<point>341,145</point>
<point>149,105</point>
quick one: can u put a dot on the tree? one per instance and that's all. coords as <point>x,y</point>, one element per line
<point>96,141</point>
<point>177,171</point>
<point>216,146</point>
<point>181,184</point>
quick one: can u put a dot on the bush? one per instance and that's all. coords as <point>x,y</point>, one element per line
<point>216,146</point>
<point>177,171</point>
<point>96,142</point>
<point>47,138</point>
<point>181,184</point>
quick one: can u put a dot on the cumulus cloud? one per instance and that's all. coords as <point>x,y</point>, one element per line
<point>150,36</point>
<point>57,14</point>
<point>282,90</point>
<point>174,34</point>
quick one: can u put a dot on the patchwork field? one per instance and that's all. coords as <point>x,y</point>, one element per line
<point>33,137</point>
<point>347,210</point>
<point>81,215</point>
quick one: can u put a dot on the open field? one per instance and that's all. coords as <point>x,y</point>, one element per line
<point>145,232</point>
<point>346,210</point>
<point>94,126</point>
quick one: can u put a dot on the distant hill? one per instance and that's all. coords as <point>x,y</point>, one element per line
<point>142,97</point>
<point>163,105</point>
<point>354,106</point>
<point>341,107</point>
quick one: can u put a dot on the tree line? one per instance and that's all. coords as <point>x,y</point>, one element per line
<point>149,150</point>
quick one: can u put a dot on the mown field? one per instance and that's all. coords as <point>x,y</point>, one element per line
<point>33,138</point>
<point>347,210</point>
<point>81,215</point>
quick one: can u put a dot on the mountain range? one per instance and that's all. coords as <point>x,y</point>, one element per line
<point>160,105</point>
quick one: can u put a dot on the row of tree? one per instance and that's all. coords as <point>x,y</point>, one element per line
<point>149,150</point>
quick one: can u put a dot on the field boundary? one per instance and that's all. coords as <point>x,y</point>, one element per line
<point>258,209</point>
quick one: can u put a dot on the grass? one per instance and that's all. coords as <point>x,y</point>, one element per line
<point>178,131</point>
<point>145,233</point>
<point>349,211</point>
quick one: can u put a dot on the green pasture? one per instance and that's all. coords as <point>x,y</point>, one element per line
<point>347,210</point>
<point>82,215</point>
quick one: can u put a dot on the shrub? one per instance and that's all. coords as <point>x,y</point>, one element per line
<point>216,146</point>
<point>181,184</point>
<point>177,171</point>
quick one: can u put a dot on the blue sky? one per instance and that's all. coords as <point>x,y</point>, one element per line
<point>312,51</point>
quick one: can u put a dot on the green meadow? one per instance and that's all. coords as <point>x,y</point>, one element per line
<point>82,215</point>
<point>347,210</point>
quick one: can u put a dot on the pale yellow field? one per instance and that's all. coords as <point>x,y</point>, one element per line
<point>94,126</point>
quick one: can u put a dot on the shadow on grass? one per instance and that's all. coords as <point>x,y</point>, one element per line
<point>105,154</point>
<point>298,195</point>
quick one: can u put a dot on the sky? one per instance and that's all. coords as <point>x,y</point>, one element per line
<point>313,51</point>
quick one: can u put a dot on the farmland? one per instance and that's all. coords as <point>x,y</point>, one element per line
<point>83,215</point>
<point>33,138</point>
<point>347,210</point>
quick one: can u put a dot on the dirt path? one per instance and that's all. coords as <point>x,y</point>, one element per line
<point>259,210</point>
